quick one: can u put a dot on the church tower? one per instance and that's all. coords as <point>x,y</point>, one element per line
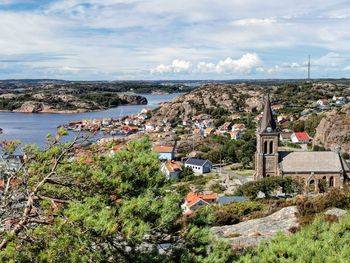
<point>266,156</point>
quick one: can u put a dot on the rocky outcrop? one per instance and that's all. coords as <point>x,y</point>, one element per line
<point>252,232</point>
<point>334,211</point>
<point>134,99</point>
<point>333,130</point>
<point>208,98</point>
<point>31,107</point>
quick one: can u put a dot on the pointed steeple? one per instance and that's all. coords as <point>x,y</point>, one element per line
<point>268,123</point>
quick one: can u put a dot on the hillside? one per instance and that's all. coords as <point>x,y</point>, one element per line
<point>221,99</point>
<point>333,130</point>
<point>215,99</point>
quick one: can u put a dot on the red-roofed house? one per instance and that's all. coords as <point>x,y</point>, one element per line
<point>300,137</point>
<point>193,201</point>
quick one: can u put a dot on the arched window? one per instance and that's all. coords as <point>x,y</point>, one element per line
<point>271,147</point>
<point>312,185</point>
<point>331,181</point>
<point>265,147</point>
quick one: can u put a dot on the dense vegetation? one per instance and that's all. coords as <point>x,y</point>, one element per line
<point>119,211</point>
<point>322,241</point>
<point>268,186</point>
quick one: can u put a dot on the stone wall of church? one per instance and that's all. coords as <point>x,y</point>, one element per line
<point>312,181</point>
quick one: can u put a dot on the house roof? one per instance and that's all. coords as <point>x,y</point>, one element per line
<point>163,149</point>
<point>311,162</point>
<point>197,162</point>
<point>302,136</point>
<point>285,135</point>
<point>193,198</point>
<point>267,118</point>
<point>173,166</point>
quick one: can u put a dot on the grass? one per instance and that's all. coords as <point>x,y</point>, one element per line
<point>244,172</point>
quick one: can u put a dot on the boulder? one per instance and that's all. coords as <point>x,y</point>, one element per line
<point>252,232</point>
<point>335,212</point>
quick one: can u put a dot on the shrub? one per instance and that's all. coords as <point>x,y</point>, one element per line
<point>268,186</point>
<point>228,214</point>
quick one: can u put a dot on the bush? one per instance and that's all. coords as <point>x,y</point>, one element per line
<point>309,207</point>
<point>228,214</point>
<point>320,242</point>
<point>268,186</point>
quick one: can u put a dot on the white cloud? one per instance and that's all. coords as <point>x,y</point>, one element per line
<point>254,22</point>
<point>243,64</point>
<point>177,66</point>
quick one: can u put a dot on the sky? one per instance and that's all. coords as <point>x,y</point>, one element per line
<point>173,39</point>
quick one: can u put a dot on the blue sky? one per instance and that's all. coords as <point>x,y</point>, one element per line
<point>178,39</point>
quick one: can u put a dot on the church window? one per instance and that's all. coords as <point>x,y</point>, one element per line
<point>331,181</point>
<point>271,147</point>
<point>265,147</point>
<point>312,185</point>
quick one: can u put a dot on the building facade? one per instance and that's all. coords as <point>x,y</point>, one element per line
<point>316,170</point>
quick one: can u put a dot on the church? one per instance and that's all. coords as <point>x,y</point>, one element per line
<point>311,168</point>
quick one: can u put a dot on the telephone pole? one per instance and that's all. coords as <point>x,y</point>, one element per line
<point>308,69</point>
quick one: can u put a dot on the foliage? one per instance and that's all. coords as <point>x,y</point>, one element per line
<point>268,186</point>
<point>320,242</point>
<point>115,209</point>
<point>309,207</point>
<point>228,214</point>
<point>309,125</point>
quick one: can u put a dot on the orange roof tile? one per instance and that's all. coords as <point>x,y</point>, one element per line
<point>192,198</point>
<point>173,166</point>
<point>163,149</point>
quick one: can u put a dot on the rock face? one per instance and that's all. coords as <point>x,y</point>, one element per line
<point>333,130</point>
<point>251,232</point>
<point>134,99</point>
<point>210,97</point>
<point>31,107</point>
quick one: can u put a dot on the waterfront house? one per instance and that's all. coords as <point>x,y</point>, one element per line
<point>172,169</point>
<point>165,152</point>
<point>199,166</point>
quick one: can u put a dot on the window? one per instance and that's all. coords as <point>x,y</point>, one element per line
<point>265,147</point>
<point>271,147</point>
<point>331,181</point>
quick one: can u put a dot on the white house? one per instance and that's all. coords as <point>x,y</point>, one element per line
<point>300,137</point>
<point>199,166</point>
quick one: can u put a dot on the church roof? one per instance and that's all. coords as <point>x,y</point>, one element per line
<point>311,162</point>
<point>267,119</point>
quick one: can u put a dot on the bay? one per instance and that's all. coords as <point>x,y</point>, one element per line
<point>33,127</point>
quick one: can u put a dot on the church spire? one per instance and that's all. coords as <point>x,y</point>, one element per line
<point>268,123</point>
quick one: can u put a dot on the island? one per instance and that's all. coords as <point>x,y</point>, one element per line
<point>53,98</point>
